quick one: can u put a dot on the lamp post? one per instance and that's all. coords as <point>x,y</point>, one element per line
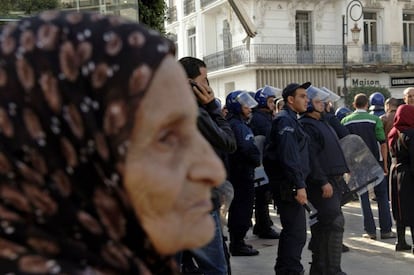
<point>353,10</point>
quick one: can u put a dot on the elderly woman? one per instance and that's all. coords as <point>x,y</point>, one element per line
<point>401,144</point>
<point>102,169</point>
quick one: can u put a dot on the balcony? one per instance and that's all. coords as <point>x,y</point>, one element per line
<point>265,54</point>
<point>272,54</point>
<point>172,14</point>
<point>376,54</point>
<point>407,54</point>
<point>189,7</point>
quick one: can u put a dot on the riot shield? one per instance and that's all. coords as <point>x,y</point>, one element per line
<point>260,177</point>
<point>365,171</point>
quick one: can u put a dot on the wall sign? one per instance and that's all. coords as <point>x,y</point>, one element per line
<point>402,81</point>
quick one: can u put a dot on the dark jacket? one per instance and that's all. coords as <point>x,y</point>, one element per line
<point>217,131</point>
<point>334,122</point>
<point>286,157</point>
<point>327,158</point>
<point>247,156</point>
<point>261,123</point>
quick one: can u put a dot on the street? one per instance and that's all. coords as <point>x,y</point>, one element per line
<point>366,257</point>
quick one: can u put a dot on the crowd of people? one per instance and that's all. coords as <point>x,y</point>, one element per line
<point>117,159</point>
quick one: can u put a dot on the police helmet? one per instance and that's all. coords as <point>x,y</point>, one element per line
<point>342,112</point>
<point>237,98</point>
<point>332,96</point>
<point>376,99</point>
<point>315,93</point>
<point>264,93</point>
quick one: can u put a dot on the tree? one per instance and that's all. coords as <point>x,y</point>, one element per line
<point>152,13</point>
<point>368,90</point>
<point>35,6</point>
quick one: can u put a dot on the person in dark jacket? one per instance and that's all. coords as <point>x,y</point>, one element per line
<point>241,173</point>
<point>286,162</point>
<point>261,123</point>
<point>211,259</point>
<point>327,166</point>
<point>401,144</point>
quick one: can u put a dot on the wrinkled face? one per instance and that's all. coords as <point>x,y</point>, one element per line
<point>299,102</point>
<point>168,168</point>
<point>409,97</point>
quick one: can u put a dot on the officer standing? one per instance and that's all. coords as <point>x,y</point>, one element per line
<point>327,163</point>
<point>241,171</point>
<point>286,162</point>
<point>261,123</point>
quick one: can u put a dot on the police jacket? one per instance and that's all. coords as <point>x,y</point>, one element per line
<point>327,158</point>
<point>247,156</point>
<point>334,122</point>
<point>286,156</point>
<point>261,122</point>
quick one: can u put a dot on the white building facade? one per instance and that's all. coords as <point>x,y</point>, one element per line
<point>298,41</point>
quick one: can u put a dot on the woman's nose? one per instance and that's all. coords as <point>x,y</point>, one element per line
<point>207,167</point>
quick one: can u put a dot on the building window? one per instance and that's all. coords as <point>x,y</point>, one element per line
<point>408,31</point>
<point>189,7</point>
<point>192,50</point>
<point>370,31</point>
<point>303,31</point>
<point>227,38</point>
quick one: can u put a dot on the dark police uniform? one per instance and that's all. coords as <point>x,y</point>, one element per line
<point>327,166</point>
<point>286,162</point>
<point>241,174</point>
<point>261,124</point>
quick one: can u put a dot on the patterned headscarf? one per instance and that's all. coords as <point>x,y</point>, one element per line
<point>70,84</point>
<point>403,120</point>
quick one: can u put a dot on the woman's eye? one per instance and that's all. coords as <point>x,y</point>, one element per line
<point>168,138</point>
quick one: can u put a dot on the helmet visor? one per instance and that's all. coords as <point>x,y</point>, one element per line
<point>332,96</point>
<point>245,99</point>
<point>316,93</point>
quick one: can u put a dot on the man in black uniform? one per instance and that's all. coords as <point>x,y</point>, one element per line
<point>328,165</point>
<point>261,123</point>
<point>286,162</point>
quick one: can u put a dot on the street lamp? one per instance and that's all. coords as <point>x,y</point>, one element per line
<point>353,10</point>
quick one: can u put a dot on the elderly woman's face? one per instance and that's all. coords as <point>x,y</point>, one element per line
<point>170,168</point>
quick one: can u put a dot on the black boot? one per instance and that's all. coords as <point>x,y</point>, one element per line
<point>334,253</point>
<point>401,244</point>
<point>238,247</point>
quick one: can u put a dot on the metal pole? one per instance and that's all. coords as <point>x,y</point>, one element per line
<point>344,55</point>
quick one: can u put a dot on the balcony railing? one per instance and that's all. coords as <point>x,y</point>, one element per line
<point>206,2</point>
<point>407,54</point>
<point>172,14</point>
<point>262,54</point>
<point>189,7</point>
<point>376,54</point>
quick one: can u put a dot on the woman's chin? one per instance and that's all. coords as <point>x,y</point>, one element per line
<point>200,233</point>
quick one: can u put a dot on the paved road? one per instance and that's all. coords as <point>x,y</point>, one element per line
<point>367,257</point>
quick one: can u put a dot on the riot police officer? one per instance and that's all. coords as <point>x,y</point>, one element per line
<point>261,123</point>
<point>328,165</point>
<point>241,171</point>
<point>286,162</point>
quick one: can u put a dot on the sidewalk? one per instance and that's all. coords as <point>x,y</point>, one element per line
<point>366,257</point>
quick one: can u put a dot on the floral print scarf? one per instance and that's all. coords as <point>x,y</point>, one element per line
<point>70,84</point>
